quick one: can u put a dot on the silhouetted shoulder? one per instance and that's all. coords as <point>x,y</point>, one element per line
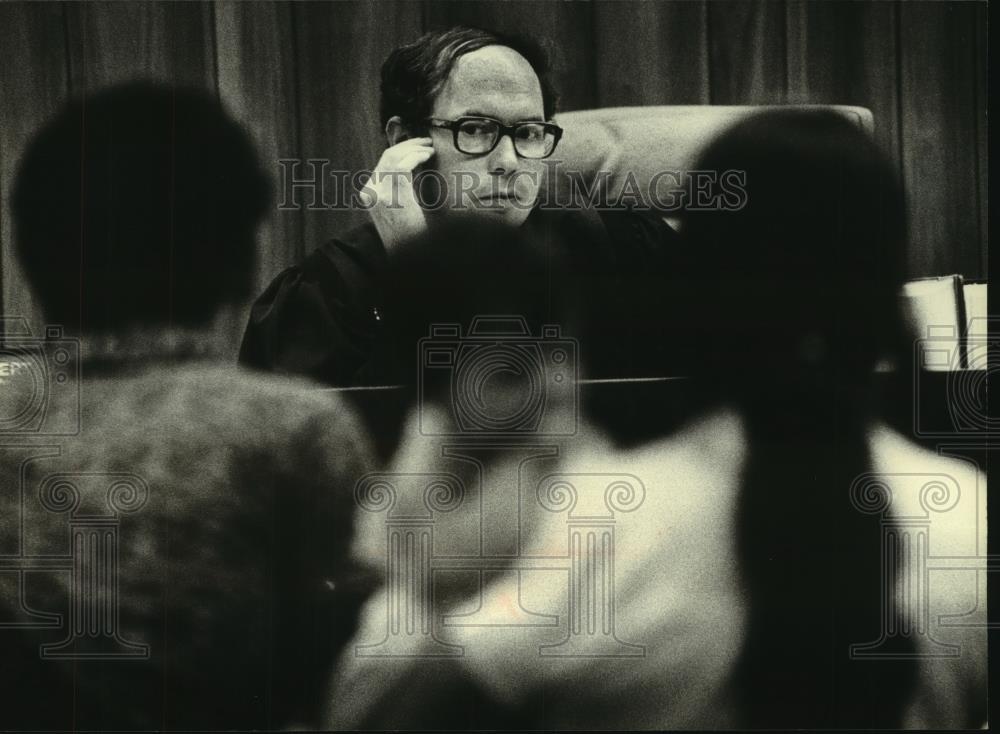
<point>937,504</point>
<point>319,318</point>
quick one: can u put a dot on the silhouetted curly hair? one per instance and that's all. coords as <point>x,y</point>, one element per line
<point>137,205</point>
<point>413,74</point>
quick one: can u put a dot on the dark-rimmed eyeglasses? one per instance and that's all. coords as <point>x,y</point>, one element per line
<point>480,135</point>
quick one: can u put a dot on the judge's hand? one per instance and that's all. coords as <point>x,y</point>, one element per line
<point>389,194</point>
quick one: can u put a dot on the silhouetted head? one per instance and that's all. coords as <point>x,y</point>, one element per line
<point>137,206</point>
<point>785,305</point>
<point>802,281</point>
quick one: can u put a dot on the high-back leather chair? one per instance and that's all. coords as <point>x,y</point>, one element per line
<point>643,142</point>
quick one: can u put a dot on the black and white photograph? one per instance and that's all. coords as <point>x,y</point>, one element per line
<point>495,365</point>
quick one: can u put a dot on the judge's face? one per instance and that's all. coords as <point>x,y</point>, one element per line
<point>495,82</point>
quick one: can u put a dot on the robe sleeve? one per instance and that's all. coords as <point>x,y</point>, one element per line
<point>316,320</point>
<point>628,320</point>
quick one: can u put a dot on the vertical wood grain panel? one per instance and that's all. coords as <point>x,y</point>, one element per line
<point>111,42</point>
<point>845,53</point>
<point>940,139</point>
<point>650,53</point>
<point>33,86</point>
<point>257,84</point>
<point>982,129</point>
<point>340,50</point>
<point>747,59</point>
<point>304,78</point>
<point>566,28</point>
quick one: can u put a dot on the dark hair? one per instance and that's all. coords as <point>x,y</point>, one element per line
<point>790,302</point>
<point>413,74</point>
<point>137,205</point>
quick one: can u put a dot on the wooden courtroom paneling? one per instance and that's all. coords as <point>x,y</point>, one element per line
<point>305,78</point>
<point>747,52</point>
<point>33,86</point>
<point>846,53</point>
<point>340,50</point>
<point>568,29</point>
<point>982,143</point>
<point>110,42</point>
<point>170,42</point>
<point>651,53</point>
<point>940,136</point>
<point>257,84</point>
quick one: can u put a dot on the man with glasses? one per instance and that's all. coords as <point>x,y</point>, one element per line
<point>467,117</point>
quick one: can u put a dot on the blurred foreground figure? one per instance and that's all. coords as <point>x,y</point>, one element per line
<point>214,589</point>
<point>481,335</point>
<point>739,572</point>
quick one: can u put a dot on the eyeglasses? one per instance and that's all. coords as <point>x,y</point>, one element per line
<point>480,135</point>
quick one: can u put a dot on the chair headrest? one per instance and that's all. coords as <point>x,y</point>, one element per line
<point>645,142</point>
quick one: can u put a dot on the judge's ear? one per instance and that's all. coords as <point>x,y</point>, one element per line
<point>395,130</point>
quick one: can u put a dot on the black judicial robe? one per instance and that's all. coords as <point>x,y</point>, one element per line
<point>319,319</point>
